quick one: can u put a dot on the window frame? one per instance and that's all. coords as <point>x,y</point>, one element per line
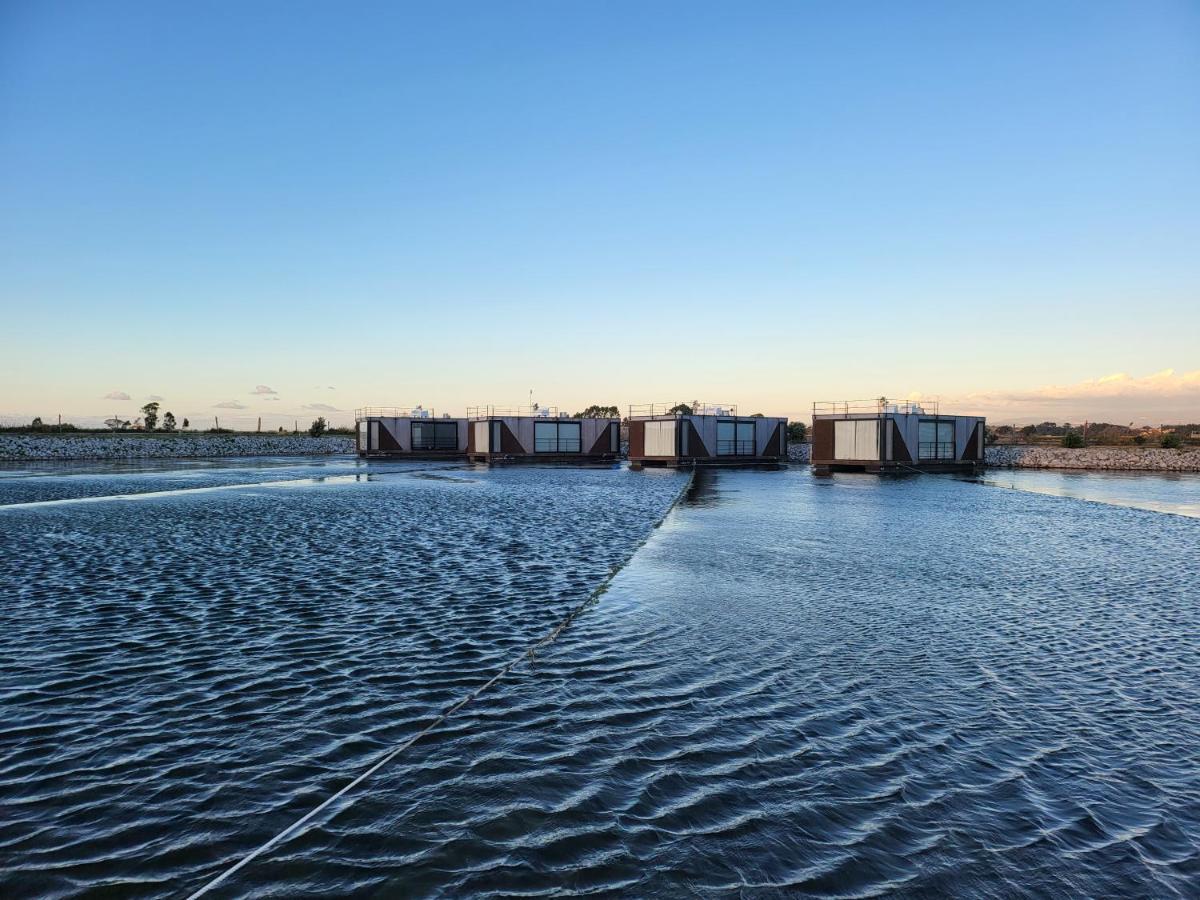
<point>559,440</point>
<point>942,451</point>
<point>738,446</point>
<point>440,444</point>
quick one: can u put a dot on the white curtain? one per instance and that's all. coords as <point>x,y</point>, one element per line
<point>856,439</point>
<point>481,437</point>
<point>660,438</point>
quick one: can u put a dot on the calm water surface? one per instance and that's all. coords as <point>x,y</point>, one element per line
<point>1171,492</point>
<point>836,687</point>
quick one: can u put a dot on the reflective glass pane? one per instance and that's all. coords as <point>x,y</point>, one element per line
<point>726,438</point>
<point>569,439</point>
<point>545,437</point>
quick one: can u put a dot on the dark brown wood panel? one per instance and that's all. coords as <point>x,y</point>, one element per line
<point>971,451</point>
<point>899,447</point>
<point>637,439</point>
<point>772,447</point>
<point>603,442</point>
<point>508,440</point>
<point>822,439</point>
<point>387,443</point>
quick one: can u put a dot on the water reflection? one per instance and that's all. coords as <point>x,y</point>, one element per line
<point>1167,492</point>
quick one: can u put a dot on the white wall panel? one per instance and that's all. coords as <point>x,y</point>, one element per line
<point>481,437</point>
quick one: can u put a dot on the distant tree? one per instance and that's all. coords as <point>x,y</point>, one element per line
<point>596,411</point>
<point>169,421</point>
<point>1171,440</point>
<point>1139,439</point>
<point>757,416</point>
<point>1072,439</point>
<point>680,409</point>
<point>150,415</point>
<point>797,431</point>
<point>186,423</point>
<point>318,427</point>
<point>1029,431</point>
<point>36,424</point>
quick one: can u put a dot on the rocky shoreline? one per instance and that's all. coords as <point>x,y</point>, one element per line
<point>168,446</point>
<point>1128,459</point>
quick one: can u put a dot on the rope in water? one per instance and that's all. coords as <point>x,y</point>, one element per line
<point>297,826</point>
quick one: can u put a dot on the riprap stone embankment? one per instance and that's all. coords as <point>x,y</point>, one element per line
<point>1147,459</point>
<point>168,446</point>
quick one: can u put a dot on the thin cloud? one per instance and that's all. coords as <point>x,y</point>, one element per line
<point>116,395</point>
<point>229,404</point>
<point>154,398</point>
<point>321,407</point>
<point>1166,383</point>
<point>1161,396</point>
<point>263,389</point>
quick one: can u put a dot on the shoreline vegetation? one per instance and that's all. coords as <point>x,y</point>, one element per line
<point>185,445</point>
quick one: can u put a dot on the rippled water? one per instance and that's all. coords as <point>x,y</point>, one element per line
<point>840,687</point>
<point>1170,492</point>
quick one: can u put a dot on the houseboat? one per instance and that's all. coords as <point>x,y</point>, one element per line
<point>689,434</point>
<point>888,436</point>
<point>414,433</point>
<point>539,434</point>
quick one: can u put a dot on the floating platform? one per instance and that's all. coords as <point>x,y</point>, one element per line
<point>540,435</point>
<point>883,437</point>
<point>409,433</point>
<point>704,434</point>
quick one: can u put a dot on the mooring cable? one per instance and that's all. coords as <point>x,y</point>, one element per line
<point>527,654</point>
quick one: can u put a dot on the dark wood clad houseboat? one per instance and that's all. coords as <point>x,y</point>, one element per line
<point>415,433</point>
<point>681,434</point>
<point>893,436</point>
<point>541,435</point>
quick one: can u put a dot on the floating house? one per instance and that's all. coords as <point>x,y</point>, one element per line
<point>888,436</point>
<point>539,434</point>
<point>415,433</point>
<point>662,434</point>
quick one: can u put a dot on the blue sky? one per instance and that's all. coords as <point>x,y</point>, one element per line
<point>455,203</point>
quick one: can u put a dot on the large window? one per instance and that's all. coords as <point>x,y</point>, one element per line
<point>660,438</point>
<point>735,438</point>
<point>935,440</point>
<point>556,437</point>
<point>427,436</point>
<point>482,430</point>
<point>856,440</point>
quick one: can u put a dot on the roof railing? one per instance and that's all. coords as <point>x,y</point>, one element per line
<point>877,406</point>
<point>698,408</point>
<point>537,411</point>
<point>393,412</point>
